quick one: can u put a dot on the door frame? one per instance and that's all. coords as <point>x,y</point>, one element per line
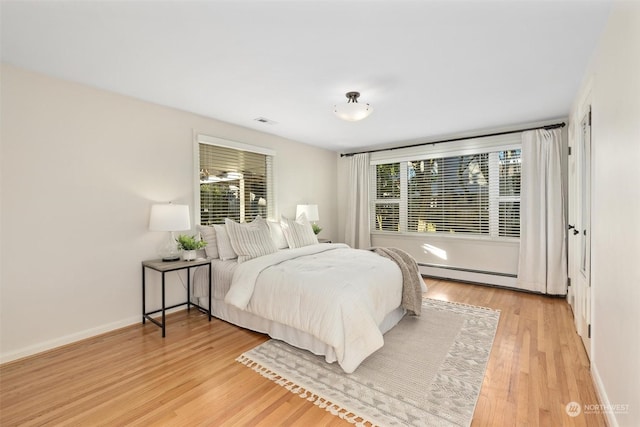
<point>579,295</point>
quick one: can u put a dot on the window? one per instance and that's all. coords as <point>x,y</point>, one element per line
<point>387,208</point>
<point>233,182</point>
<point>509,162</point>
<point>475,193</point>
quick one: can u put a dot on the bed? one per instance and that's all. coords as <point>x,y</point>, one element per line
<point>327,298</point>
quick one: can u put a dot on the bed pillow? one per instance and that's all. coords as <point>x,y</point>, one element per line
<point>298,232</point>
<point>278,235</point>
<point>250,240</point>
<point>225,250</point>
<point>208,234</point>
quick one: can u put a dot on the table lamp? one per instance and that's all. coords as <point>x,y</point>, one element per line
<point>169,217</point>
<point>311,212</point>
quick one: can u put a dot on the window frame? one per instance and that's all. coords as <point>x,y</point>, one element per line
<point>200,138</point>
<point>491,145</point>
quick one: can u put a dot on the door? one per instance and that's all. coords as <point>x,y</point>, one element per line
<point>580,231</point>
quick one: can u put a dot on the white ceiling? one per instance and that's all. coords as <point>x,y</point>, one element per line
<point>429,68</point>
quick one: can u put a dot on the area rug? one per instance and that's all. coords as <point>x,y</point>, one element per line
<point>428,373</point>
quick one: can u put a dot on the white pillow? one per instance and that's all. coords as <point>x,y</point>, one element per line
<point>298,232</point>
<point>250,240</point>
<point>225,250</point>
<point>277,235</point>
<point>208,234</point>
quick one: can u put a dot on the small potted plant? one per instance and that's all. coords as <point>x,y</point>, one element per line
<point>189,245</point>
<point>316,228</point>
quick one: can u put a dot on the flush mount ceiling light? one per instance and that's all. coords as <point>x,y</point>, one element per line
<point>352,110</point>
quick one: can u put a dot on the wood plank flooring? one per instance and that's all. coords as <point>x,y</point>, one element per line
<point>133,376</point>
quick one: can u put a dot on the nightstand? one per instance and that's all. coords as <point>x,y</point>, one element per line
<point>164,268</point>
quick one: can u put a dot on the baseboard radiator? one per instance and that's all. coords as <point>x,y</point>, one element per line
<point>468,275</point>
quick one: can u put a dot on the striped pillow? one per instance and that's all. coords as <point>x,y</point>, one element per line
<point>298,232</point>
<point>208,234</point>
<point>225,250</point>
<point>250,240</point>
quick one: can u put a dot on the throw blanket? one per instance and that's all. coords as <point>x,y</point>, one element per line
<point>412,283</point>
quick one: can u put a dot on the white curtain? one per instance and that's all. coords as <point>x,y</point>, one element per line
<point>357,232</point>
<point>542,265</point>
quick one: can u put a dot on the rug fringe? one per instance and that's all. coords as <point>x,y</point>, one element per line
<point>303,393</point>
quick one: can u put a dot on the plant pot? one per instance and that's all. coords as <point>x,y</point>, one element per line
<point>188,255</point>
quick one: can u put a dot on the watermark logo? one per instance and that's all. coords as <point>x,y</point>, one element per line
<point>573,409</point>
<point>611,408</point>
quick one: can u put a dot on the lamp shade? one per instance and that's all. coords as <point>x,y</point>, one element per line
<point>169,217</point>
<point>310,211</point>
<point>352,110</point>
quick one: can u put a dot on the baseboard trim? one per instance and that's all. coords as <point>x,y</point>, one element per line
<point>602,396</point>
<point>470,276</point>
<point>67,339</point>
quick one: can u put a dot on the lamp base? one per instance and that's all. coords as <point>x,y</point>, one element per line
<point>168,250</point>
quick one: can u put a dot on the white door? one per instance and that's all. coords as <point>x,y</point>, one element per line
<point>580,231</point>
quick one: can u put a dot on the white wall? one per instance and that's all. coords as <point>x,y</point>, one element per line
<point>80,168</point>
<point>614,81</point>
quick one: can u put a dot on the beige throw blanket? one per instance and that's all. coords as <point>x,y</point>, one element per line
<point>411,279</point>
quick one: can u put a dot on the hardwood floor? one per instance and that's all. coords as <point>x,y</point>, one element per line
<point>133,376</point>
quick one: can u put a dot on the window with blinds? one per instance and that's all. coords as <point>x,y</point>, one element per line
<point>509,163</point>
<point>234,184</point>
<point>387,206</point>
<point>471,194</point>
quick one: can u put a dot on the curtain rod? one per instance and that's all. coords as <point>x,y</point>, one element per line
<point>548,127</point>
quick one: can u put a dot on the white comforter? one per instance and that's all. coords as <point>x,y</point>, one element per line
<point>337,294</point>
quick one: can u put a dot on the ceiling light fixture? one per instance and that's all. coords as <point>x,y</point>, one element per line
<point>352,110</point>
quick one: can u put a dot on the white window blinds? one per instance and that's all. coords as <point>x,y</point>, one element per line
<point>234,183</point>
<point>449,194</point>
<point>476,192</point>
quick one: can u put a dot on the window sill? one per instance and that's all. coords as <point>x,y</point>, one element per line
<point>456,236</point>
